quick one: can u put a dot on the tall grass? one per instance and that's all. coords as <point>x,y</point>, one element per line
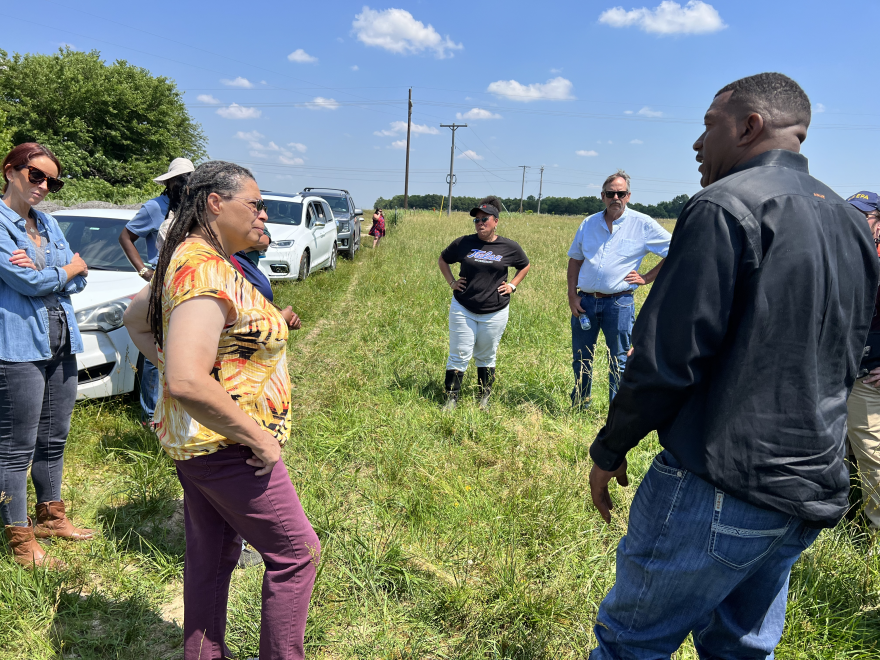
<point>467,535</point>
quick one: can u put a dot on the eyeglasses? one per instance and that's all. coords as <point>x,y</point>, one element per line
<point>256,205</point>
<point>37,176</point>
<point>611,194</point>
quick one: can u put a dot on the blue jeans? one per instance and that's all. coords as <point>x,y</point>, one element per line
<point>36,402</point>
<point>615,318</point>
<point>695,559</point>
<point>149,390</point>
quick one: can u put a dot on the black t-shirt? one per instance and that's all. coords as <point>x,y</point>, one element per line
<point>484,265</point>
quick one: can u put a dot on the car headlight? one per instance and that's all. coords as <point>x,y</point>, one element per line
<point>281,244</point>
<point>104,317</point>
<point>343,226</point>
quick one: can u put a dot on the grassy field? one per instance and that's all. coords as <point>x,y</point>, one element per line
<point>467,535</point>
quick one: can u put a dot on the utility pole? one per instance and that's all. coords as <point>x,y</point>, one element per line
<point>406,180</point>
<point>540,189</point>
<point>523,191</point>
<point>451,178</point>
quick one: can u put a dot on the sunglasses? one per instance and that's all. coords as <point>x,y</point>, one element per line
<point>485,219</point>
<point>37,176</point>
<point>257,205</point>
<point>611,194</point>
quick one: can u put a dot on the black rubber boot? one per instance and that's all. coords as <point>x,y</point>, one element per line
<point>453,388</point>
<point>486,378</point>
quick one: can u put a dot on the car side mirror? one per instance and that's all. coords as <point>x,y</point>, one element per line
<point>319,223</point>
<point>358,212</point>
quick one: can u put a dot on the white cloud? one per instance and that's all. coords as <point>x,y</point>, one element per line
<point>207,98</point>
<point>238,82</point>
<point>397,31</point>
<point>251,136</point>
<point>285,160</point>
<point>627,112</point>
<point>301,57</point>
<point>473,155</point>
<point>555,89</point>
<point>257,154</point>
<point>477,113</point>
<point>818,107</point>
<point>236,111</point>
<point>398,144</point>
<point>355,67</point>
<point>647,112</point>
<point>557,71</point>
<point>669,17</point>
<point>584,152</point>
<point>398,127</point>
<point>298,146</point>
<point>320,103</point>
<point>636,141</point>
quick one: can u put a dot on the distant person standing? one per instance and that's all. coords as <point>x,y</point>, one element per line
<point>481,298</point>
<point>377,231</point>
<point>603,265</point>
<point>863,405</point>
<point>145,225</point>
<point>744,354</point>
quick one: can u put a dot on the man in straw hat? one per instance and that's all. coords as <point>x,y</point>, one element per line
<point>146,225</point>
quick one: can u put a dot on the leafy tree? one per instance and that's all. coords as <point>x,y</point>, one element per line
<point>113,127</point>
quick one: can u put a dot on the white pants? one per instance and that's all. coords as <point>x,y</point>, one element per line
<point>863,434</point>
<point>474,335</point>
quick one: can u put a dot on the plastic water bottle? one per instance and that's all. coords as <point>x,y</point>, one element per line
<point>585,322</point>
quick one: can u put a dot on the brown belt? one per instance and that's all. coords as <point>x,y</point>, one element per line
<point>596,294</point>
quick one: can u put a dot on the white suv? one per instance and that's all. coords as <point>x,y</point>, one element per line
<point>303,233</point>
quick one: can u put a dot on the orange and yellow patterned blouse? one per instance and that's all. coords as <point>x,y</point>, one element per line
<point>251,358</point>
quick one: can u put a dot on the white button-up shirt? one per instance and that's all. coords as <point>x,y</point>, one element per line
<point>609,256</point>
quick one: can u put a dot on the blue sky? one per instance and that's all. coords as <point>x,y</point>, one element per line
<point>309,93</point>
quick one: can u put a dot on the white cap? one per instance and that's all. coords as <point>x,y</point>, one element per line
<point>178,166</point>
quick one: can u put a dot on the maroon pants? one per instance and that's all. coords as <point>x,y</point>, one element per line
<point>224,501</point>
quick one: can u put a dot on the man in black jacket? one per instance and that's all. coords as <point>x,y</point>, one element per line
<point>744,354</point>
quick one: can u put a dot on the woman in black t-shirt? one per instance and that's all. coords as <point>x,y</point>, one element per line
<point>479,308</point>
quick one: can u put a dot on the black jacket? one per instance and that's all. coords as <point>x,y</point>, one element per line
<point>747,346</point>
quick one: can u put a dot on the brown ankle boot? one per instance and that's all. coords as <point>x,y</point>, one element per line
<point>25,549</point>
<point>52,521</point>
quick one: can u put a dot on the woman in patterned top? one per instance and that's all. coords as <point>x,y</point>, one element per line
<point>223,414</point>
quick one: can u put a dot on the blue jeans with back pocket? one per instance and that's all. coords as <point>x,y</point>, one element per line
<point>695,559</point>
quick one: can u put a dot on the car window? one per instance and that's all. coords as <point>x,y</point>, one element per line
<point>337,204</point>
<point>310,216</point>
<point>284,213</point>
<point>97,241</point>
<point>319,209</point>
<point>327,213</point>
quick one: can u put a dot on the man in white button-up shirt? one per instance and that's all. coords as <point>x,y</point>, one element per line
<point>603,265</point>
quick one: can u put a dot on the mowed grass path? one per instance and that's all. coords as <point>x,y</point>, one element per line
<point>463,535</point>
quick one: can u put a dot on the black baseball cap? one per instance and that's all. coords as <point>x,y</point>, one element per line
<point>485,208</point>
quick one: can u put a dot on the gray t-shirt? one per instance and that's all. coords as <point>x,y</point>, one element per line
<point>51,300</point>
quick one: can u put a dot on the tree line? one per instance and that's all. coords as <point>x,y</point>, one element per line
<point>113,126</point>
<point>554,205</point>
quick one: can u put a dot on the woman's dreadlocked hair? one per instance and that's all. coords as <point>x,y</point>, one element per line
<point>216,176</point>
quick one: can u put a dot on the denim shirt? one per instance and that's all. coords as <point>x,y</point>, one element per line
<point>24,321</point>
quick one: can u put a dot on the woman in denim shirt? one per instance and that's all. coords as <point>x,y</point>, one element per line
<point>38,340</point>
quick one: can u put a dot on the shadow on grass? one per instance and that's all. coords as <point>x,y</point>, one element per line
<point>96,627</point>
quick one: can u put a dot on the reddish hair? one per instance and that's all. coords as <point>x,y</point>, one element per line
<point>24,153</point>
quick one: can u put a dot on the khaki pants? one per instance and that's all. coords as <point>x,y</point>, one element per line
<point>863,433</point>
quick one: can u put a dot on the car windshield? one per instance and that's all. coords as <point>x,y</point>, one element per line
<point>97,241</point>
<point>284,213</point>
<point>337,204</point>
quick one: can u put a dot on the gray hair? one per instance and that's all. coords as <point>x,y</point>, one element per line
<point>619,174</point>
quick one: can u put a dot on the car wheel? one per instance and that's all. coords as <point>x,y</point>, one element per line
<point>352,246</point>
<point>304,266</point>
<point>333,256</point>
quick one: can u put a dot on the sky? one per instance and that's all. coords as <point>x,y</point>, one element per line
<point>314,94</point>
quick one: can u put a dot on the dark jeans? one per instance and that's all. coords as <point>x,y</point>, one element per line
<point>36,402</point>
<point>615,318</point>
<point>224,501</point>
<point>695,559</point>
